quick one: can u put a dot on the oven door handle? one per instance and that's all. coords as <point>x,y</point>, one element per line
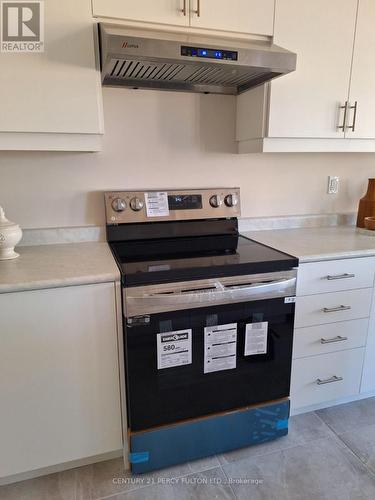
<point>224,293</point>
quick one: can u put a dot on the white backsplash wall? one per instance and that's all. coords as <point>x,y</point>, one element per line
<point>166,139</point>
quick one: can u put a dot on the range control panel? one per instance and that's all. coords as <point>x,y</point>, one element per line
<point>147,206</point>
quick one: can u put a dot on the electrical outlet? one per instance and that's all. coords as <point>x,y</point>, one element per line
<point>333,185</point>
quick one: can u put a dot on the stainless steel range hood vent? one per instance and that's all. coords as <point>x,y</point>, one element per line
<point>154,60</point>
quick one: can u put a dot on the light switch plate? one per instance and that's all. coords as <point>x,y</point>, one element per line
<point>333,185</point>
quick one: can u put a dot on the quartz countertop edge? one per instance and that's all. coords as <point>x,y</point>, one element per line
<point>318,243</point>
<point>61,265</point>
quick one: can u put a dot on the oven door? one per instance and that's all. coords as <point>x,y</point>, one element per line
<point>198,348</point>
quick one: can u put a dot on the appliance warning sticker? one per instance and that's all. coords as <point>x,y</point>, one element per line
<point>256,338</point>
<point>157,204</point>
<point>220,347</point>
<point>174,348</point>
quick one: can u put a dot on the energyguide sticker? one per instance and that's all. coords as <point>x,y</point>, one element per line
<point>174,348</point>
<point>157,204</point>
<point>256,338</point>
<point>220,347</point>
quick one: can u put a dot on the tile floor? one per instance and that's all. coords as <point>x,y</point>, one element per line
<point>328,454</point>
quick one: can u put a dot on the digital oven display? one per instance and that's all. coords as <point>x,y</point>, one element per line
<point>184,201</point>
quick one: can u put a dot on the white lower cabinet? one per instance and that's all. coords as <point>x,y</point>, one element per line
<point>59,376</point>
<point>334,335</point>
<point>368,376</point>
<point>323,339</point>
<point>335,275</point>
<point>327,377</point>
<point>332,307</point>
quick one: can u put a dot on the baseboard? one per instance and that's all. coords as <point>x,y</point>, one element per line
<point>327,404</point>
<point>60,467</point>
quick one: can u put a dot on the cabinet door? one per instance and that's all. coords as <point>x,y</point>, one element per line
<point>306,102</point>
<point>57,91</point>
<point>160,11</point>
<point>59,380</point>
<point>243,16</point>
<point>363,74</point>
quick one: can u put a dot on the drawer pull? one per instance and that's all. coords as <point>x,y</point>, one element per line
<point>336,309</point>
<point>335,378</point>
<point>333,339</point>
<point>340,276</point>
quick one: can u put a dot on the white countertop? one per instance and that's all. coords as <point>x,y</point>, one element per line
<point>317,243</point>
<point>51,266</point>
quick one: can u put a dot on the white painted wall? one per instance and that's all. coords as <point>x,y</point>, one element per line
<point>167,139</point>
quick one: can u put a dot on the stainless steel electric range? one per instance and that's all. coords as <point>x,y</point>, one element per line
<point>208,325</point>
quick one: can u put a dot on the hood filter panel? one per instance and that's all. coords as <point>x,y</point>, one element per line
<point>145,74</point>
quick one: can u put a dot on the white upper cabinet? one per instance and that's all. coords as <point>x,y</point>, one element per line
<point>237,16</point>
<point>52,100</point>
<point>151,11</point>
<point>306,102</point>
<point>314,108</point>
<point>363,75</point>
<point>242,16</point>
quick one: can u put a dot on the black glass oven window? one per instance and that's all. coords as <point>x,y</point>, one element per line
<point>157,397</point>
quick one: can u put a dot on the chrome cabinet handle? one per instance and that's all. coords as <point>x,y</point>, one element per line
<point>336,309</point>
<point>335,378</point>
<point>352,126</point>
<point>340,276</point>
<point>333,339</point>
<point>183,10</point>
<point>198,9</point>
<point>345,108</point>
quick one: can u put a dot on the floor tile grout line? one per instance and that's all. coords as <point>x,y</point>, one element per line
<point>327,425</point>
<point>371,473</point>
<point>347,447</point>
<point>266,453</point>
<point>227,478</point>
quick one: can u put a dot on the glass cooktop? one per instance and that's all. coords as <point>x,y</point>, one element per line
<point>199,257</point>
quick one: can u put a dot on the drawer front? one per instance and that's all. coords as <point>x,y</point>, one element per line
<point>323,339</point>
<point>335,275</point>
<point>325,378</point>
<point>332,307</point>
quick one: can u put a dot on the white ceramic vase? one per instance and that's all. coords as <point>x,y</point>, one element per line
<point>10,236</point>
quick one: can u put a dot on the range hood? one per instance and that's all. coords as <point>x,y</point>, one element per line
<point>156,60</point>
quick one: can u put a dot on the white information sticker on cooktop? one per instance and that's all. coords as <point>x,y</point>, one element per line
<point>220,347</point>
<point>174,348</point>
<point>256,338</point>
<point>157,204</point>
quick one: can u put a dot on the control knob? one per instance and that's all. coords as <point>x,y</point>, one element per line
<point>136,204</point>
<point>231,200</point>
<point>118,205</point>
<point>216,201</point>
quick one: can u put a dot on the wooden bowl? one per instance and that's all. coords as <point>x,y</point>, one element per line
<point>370,223</point>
